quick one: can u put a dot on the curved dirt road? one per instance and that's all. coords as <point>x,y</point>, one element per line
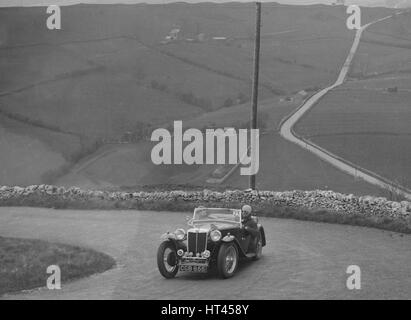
<point>302,260</point>
<point>286,129</point>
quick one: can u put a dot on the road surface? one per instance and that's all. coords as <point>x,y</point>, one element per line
<point>286,128</point>
<point>302,260</point>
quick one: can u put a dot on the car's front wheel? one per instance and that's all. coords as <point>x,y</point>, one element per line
<point>167,260</point>
<point>227,260</point>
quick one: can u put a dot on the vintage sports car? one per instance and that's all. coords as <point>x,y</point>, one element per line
<point>215,238</point>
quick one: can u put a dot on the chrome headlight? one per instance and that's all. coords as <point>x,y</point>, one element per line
<point>180,234</point>
<point>215,235</point>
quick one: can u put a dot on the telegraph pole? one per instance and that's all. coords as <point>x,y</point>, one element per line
<point>253,124</point>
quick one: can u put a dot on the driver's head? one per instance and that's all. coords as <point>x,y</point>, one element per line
<point>201,211</point>
<point>246,211</point>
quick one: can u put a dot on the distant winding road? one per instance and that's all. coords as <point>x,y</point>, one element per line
<point>287,132</point>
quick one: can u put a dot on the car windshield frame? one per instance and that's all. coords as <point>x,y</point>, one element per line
<point>224,216</point>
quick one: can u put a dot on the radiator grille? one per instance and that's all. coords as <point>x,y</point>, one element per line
<point>197,242</point>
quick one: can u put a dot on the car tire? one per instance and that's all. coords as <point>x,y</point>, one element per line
<point>167,260</point>
<point>227,260</point>
<point>259,247</point>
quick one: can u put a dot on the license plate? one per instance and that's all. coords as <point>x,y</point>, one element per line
<point>190,268</point>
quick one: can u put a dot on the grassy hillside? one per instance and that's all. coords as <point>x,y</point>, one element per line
<point>128,165</point>
<point>285,166</point>
<point>367,126</point>
<point>107,73</point>
<point>96,106</point>
<point>368,122</point>
<point>385,48</point>
<point>27,154</point>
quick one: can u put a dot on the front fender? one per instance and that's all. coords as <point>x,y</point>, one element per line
<point>231,238</point>
<point>168,236</point>
<point>179,244</point>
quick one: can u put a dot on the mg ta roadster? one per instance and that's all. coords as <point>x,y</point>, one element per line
<point>215,238</point>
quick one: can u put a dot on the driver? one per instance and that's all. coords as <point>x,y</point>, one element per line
<point>202,212</point>
<point>250,225</point>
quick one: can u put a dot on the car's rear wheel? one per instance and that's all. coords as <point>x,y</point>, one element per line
<point>259,247</point>
<point>167,260</point>
<point>227,260</point>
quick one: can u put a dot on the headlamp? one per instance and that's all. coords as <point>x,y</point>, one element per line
<point>215,235</point>
<point>180,234</point>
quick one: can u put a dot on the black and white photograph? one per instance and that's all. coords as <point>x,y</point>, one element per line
<point>208,152</point>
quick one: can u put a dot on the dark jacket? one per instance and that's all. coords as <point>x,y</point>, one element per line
<point>251,227</point>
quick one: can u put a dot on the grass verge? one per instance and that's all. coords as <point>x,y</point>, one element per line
<point>24,262</point>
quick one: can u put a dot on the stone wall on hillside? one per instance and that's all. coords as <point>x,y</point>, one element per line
<point>48,196</point>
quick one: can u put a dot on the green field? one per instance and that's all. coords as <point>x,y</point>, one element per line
<point>283,166</point>
<point>24,263</point>
<point>106,73</point>
<point>28,154</point>
<point>385,49</point>
<point>368,121</point>
<point>96,106</point>
<point>128,165</point>
<point>369,127</point>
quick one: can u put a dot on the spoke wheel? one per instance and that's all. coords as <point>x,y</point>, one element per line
<point>167,260</point>
<point>227,260</point>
